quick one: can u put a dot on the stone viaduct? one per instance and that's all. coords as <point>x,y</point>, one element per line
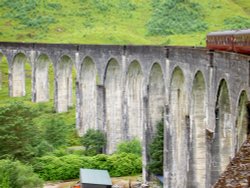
<point>202,97</point>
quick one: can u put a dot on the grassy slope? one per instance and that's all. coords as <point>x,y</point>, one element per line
<point>115,22</point>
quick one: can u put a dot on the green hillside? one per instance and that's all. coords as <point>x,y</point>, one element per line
<point>119,21</point>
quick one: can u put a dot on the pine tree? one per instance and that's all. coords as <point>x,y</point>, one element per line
<point>155,165</point>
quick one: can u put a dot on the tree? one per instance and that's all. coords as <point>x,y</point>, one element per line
<point>56,132</point>
<point>94,141</point>
<point>156,151</point>
<point>15,174</point>
<point>18,135</point>
<point>131,146</point>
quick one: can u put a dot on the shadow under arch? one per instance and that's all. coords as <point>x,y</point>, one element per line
<point>222,138</point>
<point>4,66</point>
<point>242,121</point>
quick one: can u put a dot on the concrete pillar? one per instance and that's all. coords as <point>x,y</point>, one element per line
<point>41,81</point>
<point>18,75</point>
<point>88,96</point>
<point>113,99</point>
<point>64,84</point>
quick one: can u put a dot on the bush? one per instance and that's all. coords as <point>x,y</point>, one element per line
<point>94,142</point>
<point>131,146</point>
<point>68,166</point>
<point>125,164</point>
<point>56,132</point>
<point>15,174</point>
<point>237,22</point>
<point>175,17</point>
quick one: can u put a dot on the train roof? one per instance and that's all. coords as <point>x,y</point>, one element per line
<point>216,33</point>
<point>242,32</point>
<point>229,32</point>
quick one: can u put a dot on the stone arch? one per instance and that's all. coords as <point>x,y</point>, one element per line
<point>198,150</point>
<point>19,73</point>
<point>43,84</point>
<point>222,140</point>
<point>156,92</point>
<point>113,103</point>
<point>179,125</point>
<point>242,120</point>
<point>64,83</point>
<point>3,70</point>
<point>134,80</point>
<point>88,95</point>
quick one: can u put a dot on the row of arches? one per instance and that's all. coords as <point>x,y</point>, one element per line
<point>123,109</point>
<point>195,151</point>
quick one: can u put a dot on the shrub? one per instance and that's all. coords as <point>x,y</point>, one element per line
<point>56,132</point>
<point>237,22</point>
<point>68,166</point>
<point>94,142</point>
<point>125,164</point>
<point>15,174</point>
<point>175,17</point>
<point>131,146</point>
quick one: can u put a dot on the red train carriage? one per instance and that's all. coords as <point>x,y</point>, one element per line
<point>242,41</point>
<point>232,41</point>
<point>220,40</point>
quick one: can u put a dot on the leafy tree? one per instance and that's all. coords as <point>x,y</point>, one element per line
<point>131,146</point>
<point>15,174</point>
<point>94,141</point>
<point>156,151</point>
<point>18,135</point>
<point>56,132</point>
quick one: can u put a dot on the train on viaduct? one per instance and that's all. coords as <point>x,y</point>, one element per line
<point>201,95</point>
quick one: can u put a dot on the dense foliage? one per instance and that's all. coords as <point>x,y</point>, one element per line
<point>15,174</point>
<point>94,142</point>
<point>237,22</point>
<point>18,134</point>
<point>156,151</point>
<point>67,167</point>
<point>130,146</point>
<point>176,17</point>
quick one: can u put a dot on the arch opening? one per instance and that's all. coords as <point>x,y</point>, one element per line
<point>64,85</point>
<point>44,79</point>
<point>4,74</point>
<point>242,120</point>
<point>88,96</point>
<point>113,93</point>
<point>179,123</point>
<point>21,76</point>
<point>156,93</point>
<point>222,139</point>
<point>134,101</point>
<point>198,150</point>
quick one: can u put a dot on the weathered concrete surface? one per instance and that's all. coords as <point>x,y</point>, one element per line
<point>125,90</point>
